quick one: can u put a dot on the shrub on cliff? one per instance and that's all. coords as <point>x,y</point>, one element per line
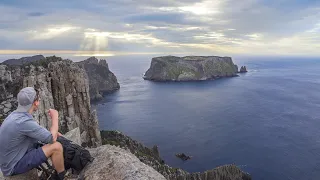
<point>45,62</point>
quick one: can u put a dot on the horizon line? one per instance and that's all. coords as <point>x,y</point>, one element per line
<point>81,53</point>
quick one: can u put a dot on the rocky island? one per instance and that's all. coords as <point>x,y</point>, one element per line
<point>190,68</point>
<point>64,85</point>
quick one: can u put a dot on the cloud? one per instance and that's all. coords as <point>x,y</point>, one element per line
<point>36,14</point>
<point>164,17</point>
<point>178,26</point>
<point>51,32</point>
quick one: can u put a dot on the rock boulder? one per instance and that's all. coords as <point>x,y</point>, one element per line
<point>114,163</point>
<point>74,136</point>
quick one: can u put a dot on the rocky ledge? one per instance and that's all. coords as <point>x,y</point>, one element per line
<point>101,79</point>
<point>190,68</point>
<point>151,157</point>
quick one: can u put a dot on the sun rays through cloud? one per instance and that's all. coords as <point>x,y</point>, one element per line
<point>222,27</point>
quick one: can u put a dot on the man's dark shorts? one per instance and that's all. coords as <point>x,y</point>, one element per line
<point>32,159</point>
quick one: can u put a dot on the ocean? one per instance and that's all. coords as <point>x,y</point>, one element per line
<point>266,121</point>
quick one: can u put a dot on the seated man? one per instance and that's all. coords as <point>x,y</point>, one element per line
<point>18,134</point>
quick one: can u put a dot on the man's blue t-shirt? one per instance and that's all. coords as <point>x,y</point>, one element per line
<point>18,133</point>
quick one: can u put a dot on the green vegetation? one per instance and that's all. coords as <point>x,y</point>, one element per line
<point>114,143</point>
<point>141,154</point>
<point>45,62</point>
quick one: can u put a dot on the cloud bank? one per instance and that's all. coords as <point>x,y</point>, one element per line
<point>219,27</point>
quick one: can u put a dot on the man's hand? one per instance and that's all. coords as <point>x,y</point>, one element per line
<point>53,114</point>
<point>59,134</point>
<point>55,126</point>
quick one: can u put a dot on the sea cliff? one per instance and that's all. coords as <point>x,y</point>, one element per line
<point>101,79</point>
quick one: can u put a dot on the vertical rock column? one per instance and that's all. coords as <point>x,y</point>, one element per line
<point>39,77</point>
<point>70,91</point>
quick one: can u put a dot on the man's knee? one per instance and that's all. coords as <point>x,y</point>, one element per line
<point>50,149</point>
<point>57,146</point>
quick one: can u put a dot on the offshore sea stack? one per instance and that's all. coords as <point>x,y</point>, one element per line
<point>243,69</point>
<point>101,79</point>
<point>190,68</point>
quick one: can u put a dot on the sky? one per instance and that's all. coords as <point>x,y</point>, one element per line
<point>192,27</point>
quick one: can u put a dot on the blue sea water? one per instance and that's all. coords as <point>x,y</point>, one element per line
<point>266,121</point>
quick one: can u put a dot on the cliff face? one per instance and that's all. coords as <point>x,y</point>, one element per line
<point>63,85</point>
<point>190,68</point>
<point>152,158</point>
<point>101,79</point>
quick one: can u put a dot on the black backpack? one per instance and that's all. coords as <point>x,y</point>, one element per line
<point>75,156</point>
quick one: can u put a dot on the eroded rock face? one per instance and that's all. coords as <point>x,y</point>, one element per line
<point>63,86</point>
<point>190,68</point>
<point>101,79</point>
<point>114,163</point>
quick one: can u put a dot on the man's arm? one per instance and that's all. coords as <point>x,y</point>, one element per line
<point>55,124</point>
<point>32,129</point>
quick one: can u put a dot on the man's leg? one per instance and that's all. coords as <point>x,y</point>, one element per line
<point>32,159</point>
<point>55,153</point>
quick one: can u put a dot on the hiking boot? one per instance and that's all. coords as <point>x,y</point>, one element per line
<point>70,176</point>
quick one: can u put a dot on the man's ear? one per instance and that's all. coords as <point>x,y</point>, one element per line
<point>36,103</point>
